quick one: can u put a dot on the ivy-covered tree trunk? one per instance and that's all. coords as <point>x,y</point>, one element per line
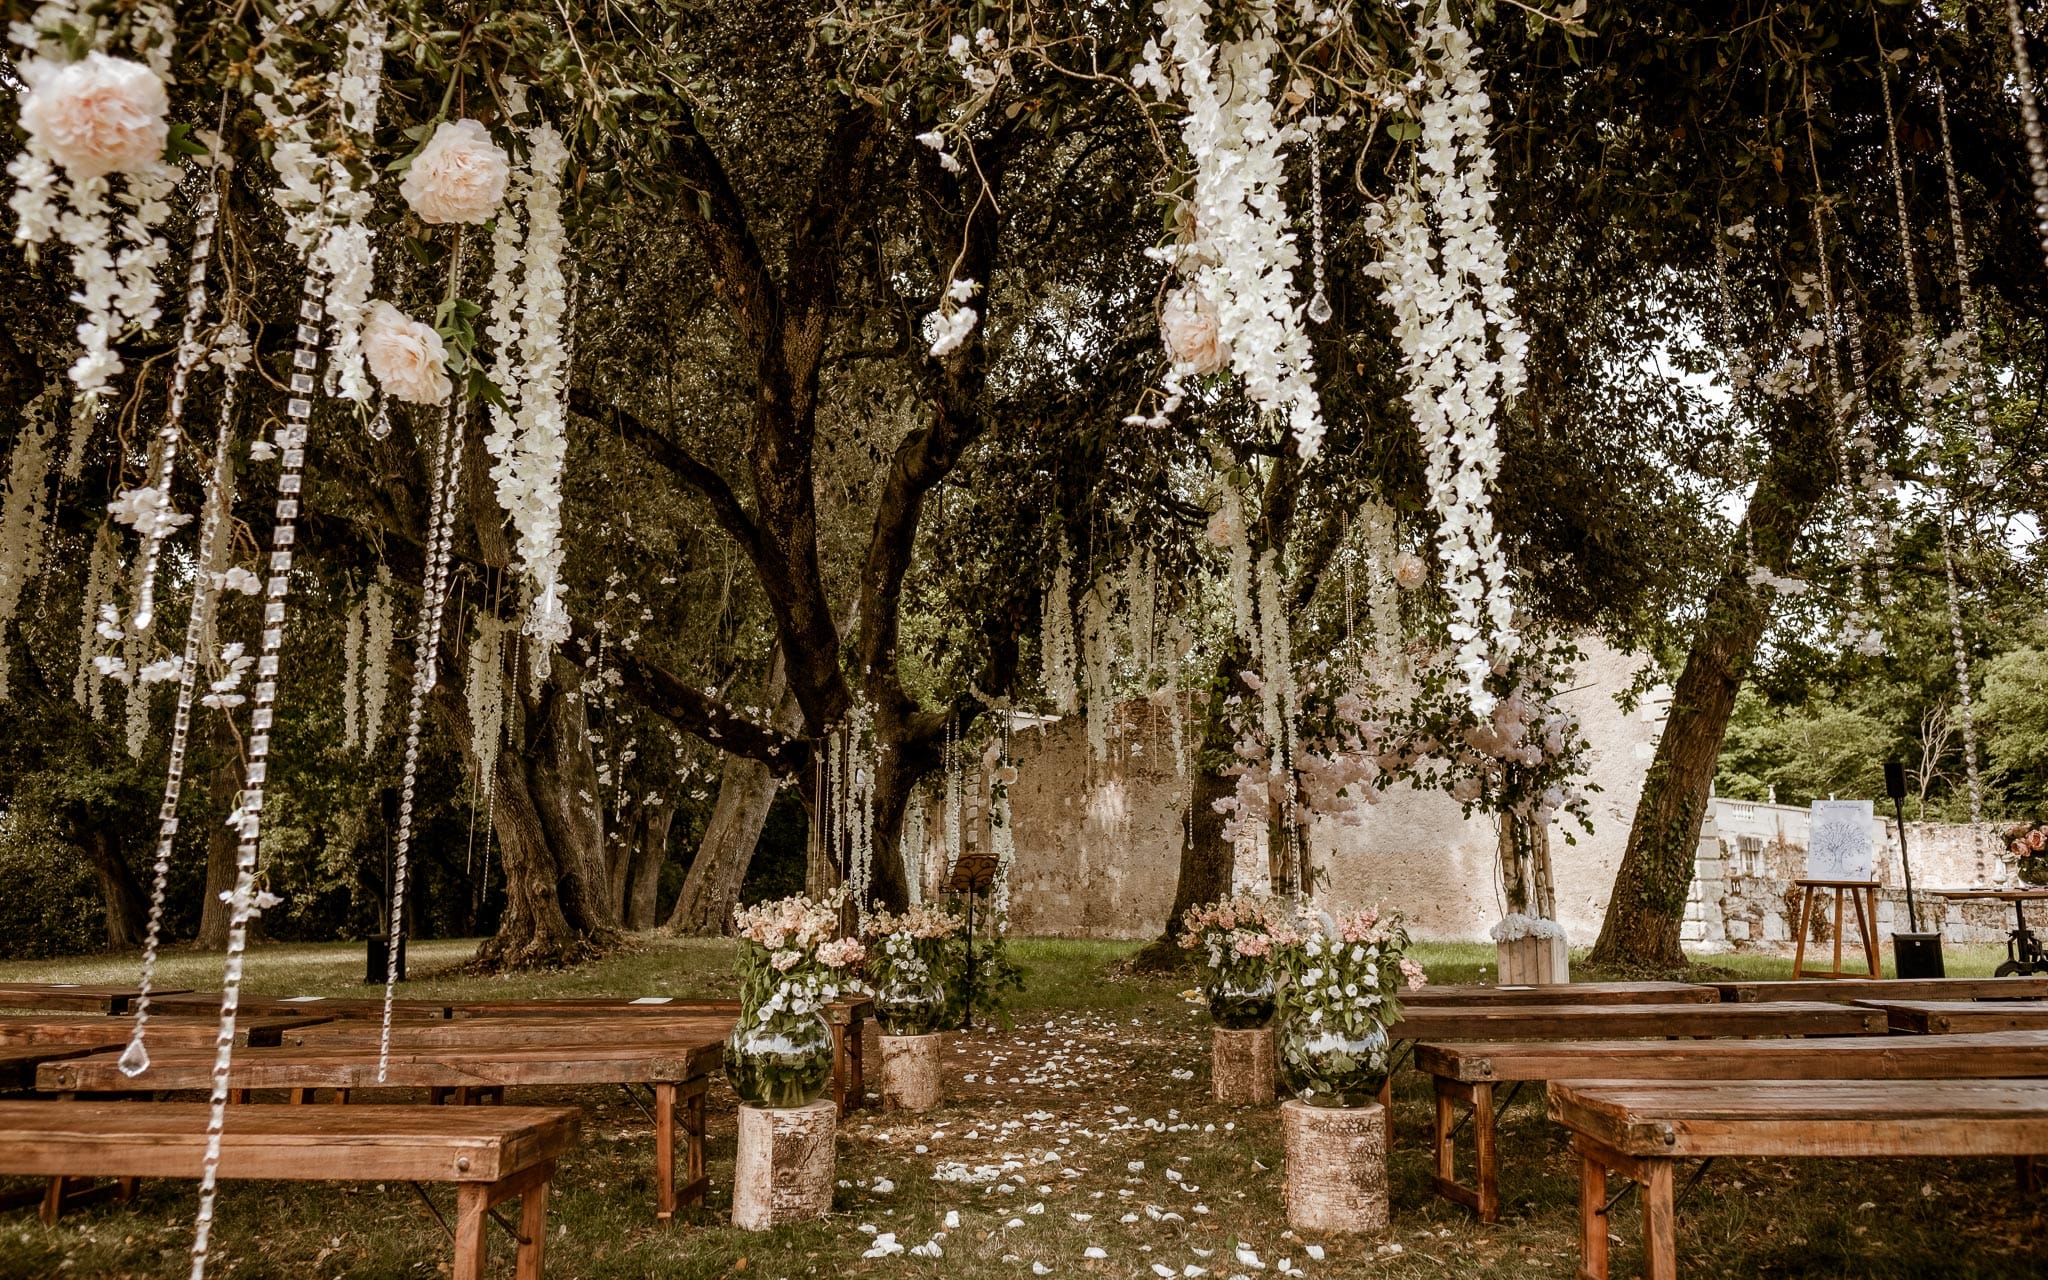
<point>1650,888</point>
<point>1206,858</point>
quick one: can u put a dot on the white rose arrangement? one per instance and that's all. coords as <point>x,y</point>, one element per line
<point>408,358</point>
<point>458,177</point>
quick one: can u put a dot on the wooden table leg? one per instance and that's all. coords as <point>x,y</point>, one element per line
<point>1387,1115</point>
<point>1441,1140</point>
<point>840,1069</point>
<point>1592,1217</point>
<point>1487,1165</point>
<point>664,1150</point>
<point>533,1231</point>
<point>1805,916</point>
<point>1660,1221</point>
<point>856,1052</point>
<point>695,1127</point>
<point>472,1208</point>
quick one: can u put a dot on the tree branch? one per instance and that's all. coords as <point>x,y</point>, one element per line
<point>672,457</point>
<point>688,708</point>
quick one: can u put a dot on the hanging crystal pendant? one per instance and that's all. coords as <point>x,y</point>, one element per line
<point>134,1059</point>
<point>380,425</point>
<point>1319,308</point>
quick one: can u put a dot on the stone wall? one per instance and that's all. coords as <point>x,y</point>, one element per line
<point>1098,842</point>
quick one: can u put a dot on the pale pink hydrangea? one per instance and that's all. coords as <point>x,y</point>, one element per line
<point>459,176</point>
<point>408,358</point>
<point>96,116</point>
<point>1193,332</point>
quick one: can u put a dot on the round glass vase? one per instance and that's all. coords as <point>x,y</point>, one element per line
<point>783,1062</point>
<point>908,1006</point>
<point>1328,1065</point>
<point>1242,996</point>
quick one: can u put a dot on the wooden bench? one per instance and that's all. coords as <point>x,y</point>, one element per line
<point>1470,1073</point>
<point>1945,1017</point>
<point>1640,1130</point>
<point>491,1154</point>
<point>1616,1022</point>
<point>2015,988</point>
<point>1479,993</point>
<point>677,1073</point>
<point>206,1004</point>
<point>72,997</point>
<point>848,1016</point>
<point>110,1033</point>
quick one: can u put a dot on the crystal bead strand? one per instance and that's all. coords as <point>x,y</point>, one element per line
<point>190,349</point>
<point>447,482</point>
<point>1839,410</point>
<point>1963,701</point>
<point>242,902</point>
<point>1319,309</point>
<point>2030,119</point>
<point>1876,483</point>
<point>1916,369</point>
<point>1973,350</point>
<point>205,590</point>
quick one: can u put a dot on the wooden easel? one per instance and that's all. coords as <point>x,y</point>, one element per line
<point>1863,898</point>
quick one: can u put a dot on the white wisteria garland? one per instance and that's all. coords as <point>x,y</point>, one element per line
<point>26,507</point>
<point>529,435</point>
<point>1239,254</point>
<point>1462,347</point>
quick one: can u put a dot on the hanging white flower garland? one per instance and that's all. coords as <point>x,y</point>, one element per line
<point>1238,302</point>
<point>90,120</point>
<point>1462,346</point>
<point>26,507</point>
<point>529,435</point>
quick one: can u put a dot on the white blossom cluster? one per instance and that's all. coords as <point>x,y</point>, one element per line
<point>1239,256</point>
<point>25,507</point>
<point>1515,926</point>
<point>90,120</point>
<point>529,439</point>
<point>484,690</point>
<point>1461,344</point>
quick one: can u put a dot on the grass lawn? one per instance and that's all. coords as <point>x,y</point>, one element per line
<point>1085,1125</point>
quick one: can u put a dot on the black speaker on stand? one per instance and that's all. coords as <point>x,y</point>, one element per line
<point>377,948</point>
<point>1915,954</point>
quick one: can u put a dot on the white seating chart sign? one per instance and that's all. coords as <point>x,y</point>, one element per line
<point>1838,843</point>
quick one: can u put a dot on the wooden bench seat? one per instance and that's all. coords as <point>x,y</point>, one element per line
<point>1553,993</point>
<point>205,1004</point>
<point>848,1016</point>
<point>88,1032</point>
<point>2013,988</point>
<point>491,1154</point>
<point>677,1073</point>
<point>72,997</point>
<point>1946,1017</point>
<point>1615,1022</point>
<point>1641,1129</point>
<point>1469,1073</point>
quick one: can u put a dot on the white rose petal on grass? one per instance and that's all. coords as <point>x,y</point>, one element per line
<point>459,176</point>
<point>96,116</point>
<point>1314,1251</point>
<point>1163,1271</point>
<point>882,1186</point>
<point>929,1249</point>
<point>408,358</point>
<point>1094,1251</point>
<point>1039,1269</point>
<point>952,1219</point>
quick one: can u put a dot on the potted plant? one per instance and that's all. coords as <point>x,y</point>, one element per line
<point>906,961</point>
<point>1231,941</point>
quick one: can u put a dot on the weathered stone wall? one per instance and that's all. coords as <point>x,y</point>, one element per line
<point>1098,842</point>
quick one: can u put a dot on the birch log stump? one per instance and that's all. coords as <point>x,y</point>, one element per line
<point>1336,1167</point>
<point>785,1168</point>
<point>1241,1067</point>
<point>913,1071</point>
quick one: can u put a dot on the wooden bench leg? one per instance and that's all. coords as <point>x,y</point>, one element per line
<point>665,1150</point>
<point>1660,1220</point>
<point>1836,929</point>
<point>695,1127</point>
<point>2028,1174</point>
<point>53,1202</point>
<point>1387,1115</point>
<point>1487,1171</point>
<point>1592,1217</point>
<point>472,1212</point>
<point>533,1231</point>
<point>856,1054</point>
<point>841,1069</point>
<point>1441,1141</point>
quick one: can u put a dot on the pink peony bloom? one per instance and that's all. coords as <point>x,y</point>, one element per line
<point>1192,331</point>
<point>459,176</point>
<point>407,357</point>
<point>1410,570</point>
<point>96,116</point>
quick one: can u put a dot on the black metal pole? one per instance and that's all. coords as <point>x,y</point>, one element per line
<point>967,1006</point>
<point>1912,911</point>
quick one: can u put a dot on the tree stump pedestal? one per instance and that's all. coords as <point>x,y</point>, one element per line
<point>1336,1167</point>
<point>913,1071</point>
<point>785,1168</point>
<point>1532,961</point>
<point>1242,1067</point>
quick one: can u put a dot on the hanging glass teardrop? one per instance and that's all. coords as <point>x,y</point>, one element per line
<point>380,425</point>
<point>1319,308</point>
<point>134,1059</point>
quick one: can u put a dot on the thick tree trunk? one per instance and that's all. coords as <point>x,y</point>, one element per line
<point>1650,888</point>
<point>223,785</point>
<point>746,791</point>
<point>1206,858</point>
<point>562,778</point>
<point>650,854</point>
<point>127,907</point>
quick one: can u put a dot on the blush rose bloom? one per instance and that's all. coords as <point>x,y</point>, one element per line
<point>1410,571</point>
<point>96,116</point>
<point>1192,332</point>
<point>459,176</point>
<point>407,357</point>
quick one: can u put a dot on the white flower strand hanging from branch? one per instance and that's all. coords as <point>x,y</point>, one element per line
<point>1236,306</point>
<point>1462,347</point>
<point>26,506</point>
<point>529,437</point>
<point>90,119</point>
